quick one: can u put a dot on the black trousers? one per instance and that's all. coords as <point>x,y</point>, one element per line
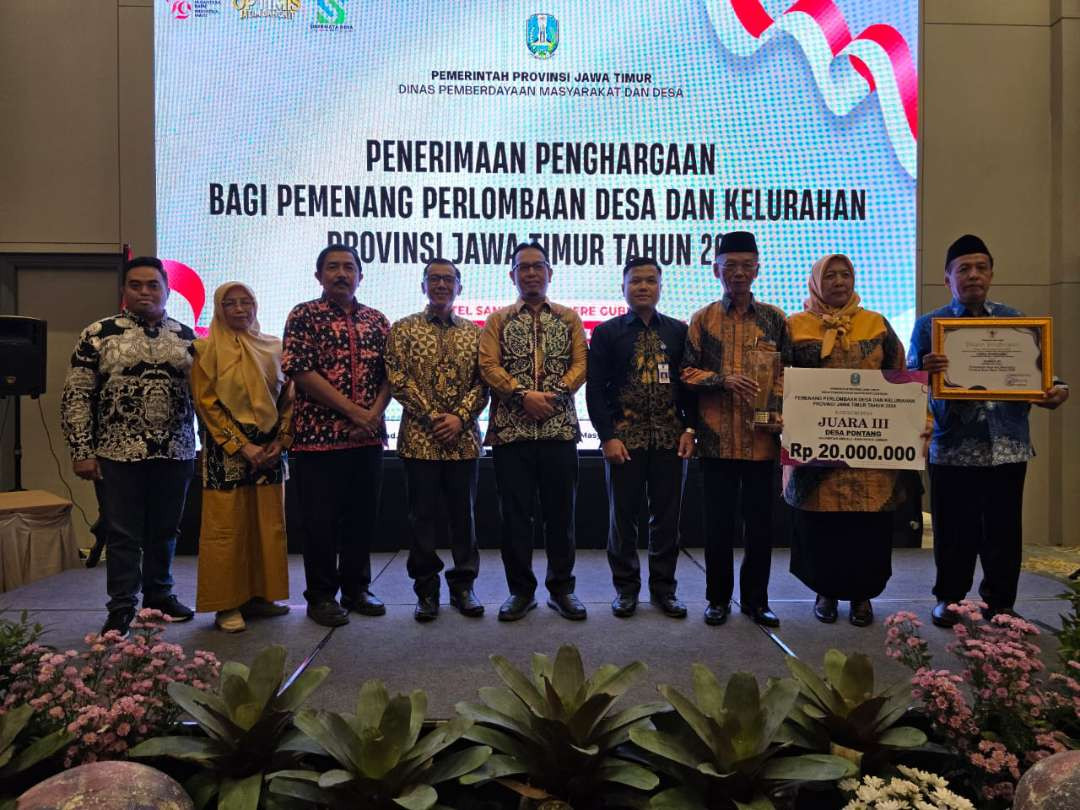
<point>338,492</point>
<point>432,487</point>
<point>738,501</point>
<point>977,512</point>
<point>655,477</point>
<point>523,471</point>
<point>141,504</point>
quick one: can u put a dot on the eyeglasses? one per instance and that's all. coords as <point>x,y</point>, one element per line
<point>748,266</point>
<point>237,303</point>
<point>438,279</point>
<point>525,267</point>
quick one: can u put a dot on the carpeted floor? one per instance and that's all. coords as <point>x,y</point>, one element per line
<point>448,658</point>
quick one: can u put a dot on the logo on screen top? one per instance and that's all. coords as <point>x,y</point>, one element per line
<point>856,378</point>
<point>542,35</point>
<point>331,15</point>
<point>264,9</point>
<point>187,9</point>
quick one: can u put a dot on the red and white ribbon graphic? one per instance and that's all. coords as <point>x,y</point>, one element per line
<point>846,69</point>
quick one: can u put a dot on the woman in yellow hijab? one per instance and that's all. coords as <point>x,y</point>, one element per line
<point>245,406</point>
<point>842,547</point>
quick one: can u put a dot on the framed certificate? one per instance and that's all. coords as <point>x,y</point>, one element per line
<point>994,358</point>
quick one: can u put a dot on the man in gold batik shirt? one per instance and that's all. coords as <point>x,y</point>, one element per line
<point>532,354</point>
<point>431,363</point>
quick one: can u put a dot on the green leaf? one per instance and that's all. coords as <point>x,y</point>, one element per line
<point>627,773</point>
<point>457,764</point>
<point>555,711</point>
<point>396,724</point>
<point>306,682</point>
<point>501,742</point>
<point>618,681</point>
<point>813,687</point>
<point>680,798</point>
<point>520,686</point>
<point>438,739</point>
<point>240,794</point>
<point>295,789</point>
<point>202,788</point>
<point>417,797</point>
<point>506,703</point>
<point>12,723</point>
<point>267,673</point>
<point>192,749</point>
<point>627,716</point>
<point>38,750</point>
<point>303,776</point>
<point>697,721</point>
<point>808,768</point>
<point>418,711</point>
<point>664,745</point>
<point>568,674</point>
<point>482,714</point>
<point>902,737</point>
<point>296,741</point>
<point>857,680</point>
<point>234,669</point>
<point>834,666</point>
<point>583,722</point>
<point>333,734</point>
<point>206,708</point>
<point>776,706</point>
<point>708,691</point>
<point>897,701</point>
<point>335,777</point>
<point>372,702</point>
<point>498,765</point>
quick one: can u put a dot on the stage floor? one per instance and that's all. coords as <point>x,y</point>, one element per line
<point>448,658</point>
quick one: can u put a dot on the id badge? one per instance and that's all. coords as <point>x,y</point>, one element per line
<point>663,374</point>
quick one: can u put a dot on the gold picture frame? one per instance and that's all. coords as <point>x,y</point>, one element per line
<point>990,355</point>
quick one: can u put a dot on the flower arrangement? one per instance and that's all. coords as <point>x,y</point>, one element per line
<point>999,714</point>
<point>110,696</point>
<point>917,790</point>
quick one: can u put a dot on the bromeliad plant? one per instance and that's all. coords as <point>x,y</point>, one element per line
<point>13,761</point>
<point>840,713</point>
<point>248,730</point>
<point>723,747</point>
<point>555,733</point>
<point>381,760</point>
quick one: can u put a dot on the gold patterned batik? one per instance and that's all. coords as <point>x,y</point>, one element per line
<point>522,350</point>
<point>649,416</point>
<point>432,369</point>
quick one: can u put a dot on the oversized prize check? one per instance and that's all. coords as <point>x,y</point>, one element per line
<point>842,417</point>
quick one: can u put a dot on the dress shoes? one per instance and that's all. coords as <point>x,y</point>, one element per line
<point>825,609</point>
<point>258,608</point>
<point>466,603</point>
<point>761,614</point>
<point>669,604</point>
<point>515,607</point>
<point>861,613</point>
<point>328,613</point>
<point>717,612</point>
<point>623,605</point>
<point>568,606</point>
<point>172,607</point>
<point>941,616</point>
<point>427,608</point>
<point>366,604</point>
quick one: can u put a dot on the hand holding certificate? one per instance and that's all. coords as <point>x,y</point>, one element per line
<point>993,358</point>
<point>854,418</point>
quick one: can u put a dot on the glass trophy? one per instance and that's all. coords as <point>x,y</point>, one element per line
<point>764,368</point>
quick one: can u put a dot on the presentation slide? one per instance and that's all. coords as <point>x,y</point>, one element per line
<point>603,130</point>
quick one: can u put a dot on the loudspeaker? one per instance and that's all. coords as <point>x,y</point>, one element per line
<point>22,356</point>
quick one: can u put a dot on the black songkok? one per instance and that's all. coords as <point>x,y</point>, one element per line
<point>738,242</point>
<point>965,245</point>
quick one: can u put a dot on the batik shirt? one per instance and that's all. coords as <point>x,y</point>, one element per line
<point>972,433</point>
<point>345,348</point>
<point>634,393</point>
<point>719,342</point>
<point>432,367</point>
<point>525,351</point>
<point>126,396</point>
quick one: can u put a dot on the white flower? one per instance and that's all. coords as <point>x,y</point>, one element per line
<point>869,793</point>
<point>922,777</point>
<point>892,804</point>
<point>855,804</point>
<point>848,785</point>
<point>902,787</point>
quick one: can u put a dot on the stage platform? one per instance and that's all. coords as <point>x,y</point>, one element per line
<point>448,658</point>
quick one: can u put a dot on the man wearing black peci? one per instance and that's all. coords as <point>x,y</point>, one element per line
<point>644,417</point>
